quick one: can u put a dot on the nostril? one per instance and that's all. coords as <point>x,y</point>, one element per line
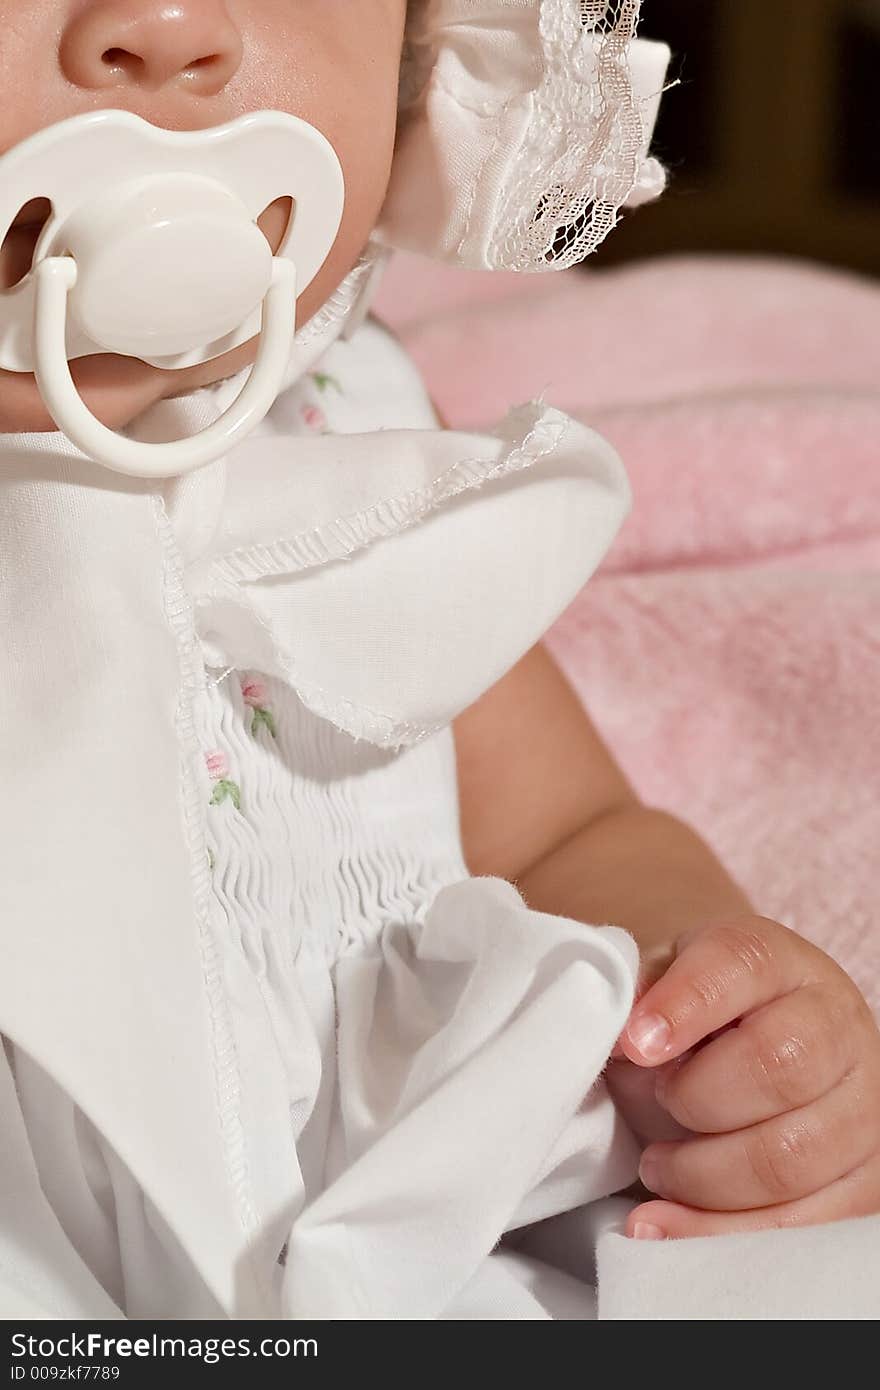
<point>209,73</point>
<point>123,63</point>
<point>202,70</point>
<point>155,45</point>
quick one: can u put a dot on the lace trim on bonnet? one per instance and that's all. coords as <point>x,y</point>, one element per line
<point>525,127</point>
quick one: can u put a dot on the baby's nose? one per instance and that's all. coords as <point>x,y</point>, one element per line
<point>191,44</point>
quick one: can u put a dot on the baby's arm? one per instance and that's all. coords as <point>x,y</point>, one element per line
<point>544,804</point>
<point>750,1052</point>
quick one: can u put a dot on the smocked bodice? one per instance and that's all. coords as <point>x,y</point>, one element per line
<point>313,835</point>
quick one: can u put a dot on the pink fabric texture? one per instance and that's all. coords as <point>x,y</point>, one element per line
<point>729,650</point>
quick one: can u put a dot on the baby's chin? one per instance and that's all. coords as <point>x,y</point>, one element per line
<point>115,389</point>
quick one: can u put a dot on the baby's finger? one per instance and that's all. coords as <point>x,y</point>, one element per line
<point>780,1160</point>
<point>727,971</point>
<point>652,967</point>
<point>632,1090</point>
<point>780,1058</point>
<point>858,1194</point>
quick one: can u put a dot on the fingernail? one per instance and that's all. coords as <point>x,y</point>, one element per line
<point>649,1035</point>
<point>643,1230</point>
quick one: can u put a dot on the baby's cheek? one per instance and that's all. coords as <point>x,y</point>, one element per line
<point>337,66</point>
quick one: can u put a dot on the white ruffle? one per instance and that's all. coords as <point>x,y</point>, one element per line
<point>296,582</point>
<point>525,127</point>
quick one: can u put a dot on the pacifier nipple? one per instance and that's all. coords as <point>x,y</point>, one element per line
<point>165,265</point>
<point>153,251</point>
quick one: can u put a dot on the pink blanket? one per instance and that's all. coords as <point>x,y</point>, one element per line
<point>730,648</point>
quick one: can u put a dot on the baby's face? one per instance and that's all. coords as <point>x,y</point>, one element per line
<point>190,64</point>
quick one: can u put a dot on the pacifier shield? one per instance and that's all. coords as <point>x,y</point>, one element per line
<point>171,266</point>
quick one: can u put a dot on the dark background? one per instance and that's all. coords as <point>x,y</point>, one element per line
<point>772,138</point>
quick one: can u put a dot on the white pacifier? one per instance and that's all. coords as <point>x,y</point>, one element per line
<point>152,251</point>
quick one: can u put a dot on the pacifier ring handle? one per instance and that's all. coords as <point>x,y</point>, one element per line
<point>55,278</point>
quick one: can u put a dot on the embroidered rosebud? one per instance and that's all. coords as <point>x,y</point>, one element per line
<point>254,693</point>
<point>217,764</point>
<point>314,418</point>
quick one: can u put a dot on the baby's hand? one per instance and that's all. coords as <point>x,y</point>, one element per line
<point>775,1080</point>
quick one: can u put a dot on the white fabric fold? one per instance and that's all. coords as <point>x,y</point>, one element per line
<point>109,981</point>
<point>41,1273</point>
<point>816,1273</point>
<point>296,581</point>
<point>441,1149</point>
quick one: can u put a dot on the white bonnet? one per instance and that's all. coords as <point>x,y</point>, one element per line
<point>525,126</point>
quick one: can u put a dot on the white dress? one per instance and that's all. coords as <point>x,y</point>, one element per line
<point>376,1065</point>
<point>269,1052</point>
